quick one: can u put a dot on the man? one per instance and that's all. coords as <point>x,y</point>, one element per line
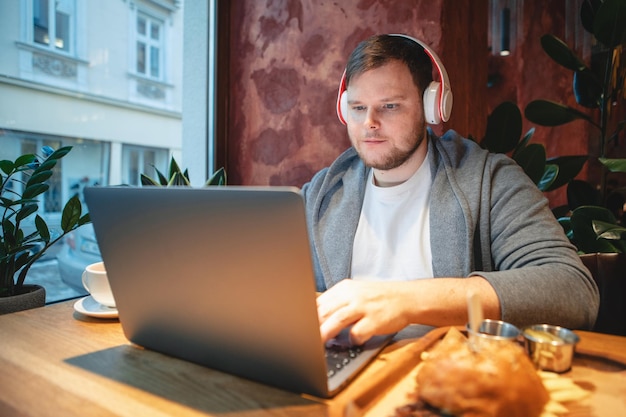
<point>418,222</point>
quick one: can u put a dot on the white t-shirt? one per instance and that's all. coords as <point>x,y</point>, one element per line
<point>392,240</point>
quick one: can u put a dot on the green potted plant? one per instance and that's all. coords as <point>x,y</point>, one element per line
<point>179,178</point>
<point>19,248</point>
<point>503,135</point>
<point>589,224</point>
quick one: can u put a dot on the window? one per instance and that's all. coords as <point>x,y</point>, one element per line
<point>149,47</point>
<point>53,24</point>
<point>71,174</point>
<point>74,76</point>
<point>140,160</point>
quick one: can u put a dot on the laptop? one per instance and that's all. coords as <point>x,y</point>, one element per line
<point>222,277</point>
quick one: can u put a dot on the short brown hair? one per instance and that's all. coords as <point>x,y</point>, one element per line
<point>381,49</point>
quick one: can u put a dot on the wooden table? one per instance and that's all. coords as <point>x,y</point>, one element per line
<point>57,362</point>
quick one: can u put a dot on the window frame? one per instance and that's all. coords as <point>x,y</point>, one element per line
<point>160,161</point>
<point>149,44</point>
<point>205,97</point>
<point>52,24</point>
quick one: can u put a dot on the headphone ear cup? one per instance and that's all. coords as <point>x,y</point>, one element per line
<point>431,103</point>
<point>446,104</point>
<point>343,107</point>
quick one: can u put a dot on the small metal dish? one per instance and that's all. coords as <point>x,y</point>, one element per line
<point>551,348</point>
<point>494,331</point>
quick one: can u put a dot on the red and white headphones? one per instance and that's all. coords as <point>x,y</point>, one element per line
<point>437,97</point>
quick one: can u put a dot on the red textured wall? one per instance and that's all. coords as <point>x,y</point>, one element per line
<point>286,61</point>
<point>287,56</point>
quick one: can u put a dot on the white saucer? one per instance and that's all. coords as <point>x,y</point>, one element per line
<point>90,307</point>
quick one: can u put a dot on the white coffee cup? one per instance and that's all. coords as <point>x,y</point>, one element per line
<point>95,281</point>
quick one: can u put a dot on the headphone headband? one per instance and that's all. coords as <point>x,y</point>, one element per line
<point>437,97</point>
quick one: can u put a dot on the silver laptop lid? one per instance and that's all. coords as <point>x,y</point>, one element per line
<point>220,276</point>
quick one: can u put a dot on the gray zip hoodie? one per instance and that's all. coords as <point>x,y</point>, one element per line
<point>486,218</point>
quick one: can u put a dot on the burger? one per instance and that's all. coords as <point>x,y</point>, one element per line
<point>464,378</point>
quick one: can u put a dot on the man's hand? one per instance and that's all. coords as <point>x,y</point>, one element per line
<point>371,307</point>
<point>384,307</point>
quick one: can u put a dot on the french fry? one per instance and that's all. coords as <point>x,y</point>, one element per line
<point>547,375</point>
<point>559,384</point>
<point>562,390</point>
<point>555,408</point>
<point>574,394</point>
<point>543,336</point>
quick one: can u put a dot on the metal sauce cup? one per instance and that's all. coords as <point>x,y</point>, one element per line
<point>551,348</point>
<point>494,331</point>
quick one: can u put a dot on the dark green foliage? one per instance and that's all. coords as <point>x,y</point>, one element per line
<point>180,178</point>
<point>503,132</point>
<point>587,228</point>
<point>19,251</point>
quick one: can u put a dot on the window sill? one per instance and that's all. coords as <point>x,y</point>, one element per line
<point>54,54</point>
<point>149,80</point>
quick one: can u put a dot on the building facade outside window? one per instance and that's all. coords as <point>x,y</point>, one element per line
<point>102,76</point>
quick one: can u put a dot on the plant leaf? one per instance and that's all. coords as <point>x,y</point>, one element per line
<point>23,160</point>
<point>569,167</point>
<point>25,211</point>
<point>609,24</point>
<point>6,166</point>
<point>59,153</point>
<point>178,179</point>
<point>71,214</point>
<point>9,231</point>
<point>34,190</point>
<point>145,180</point>
<point>581,193</point>
<point>46,165</point>
<point>39,177</point>
<point>162,180</point>
<point>218,177</point>
<point>561,211</point>
<point>614,165</point>
<point>174,168</point>
<point>585,237</point>
<point>21,260</point>
<point>42,228</point>
<point>550,174</point>
<point>561,53</point>
<point>86,218</point>
<point>588,11</point>
<point>504,128</point>
<point>7,202</point>
<point>608,231</point>
<point>566,224</point>
<point>524,142</point>
<point>550,113</point>
<point>532,159</point>
<point>587,89</point>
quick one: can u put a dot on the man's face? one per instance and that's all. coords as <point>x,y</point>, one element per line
<point>385,117</point>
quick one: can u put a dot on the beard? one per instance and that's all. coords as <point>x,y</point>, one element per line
<point>396,156</point>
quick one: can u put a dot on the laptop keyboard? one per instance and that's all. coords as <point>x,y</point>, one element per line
<point>344,360</point>
<point>339,357</point>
